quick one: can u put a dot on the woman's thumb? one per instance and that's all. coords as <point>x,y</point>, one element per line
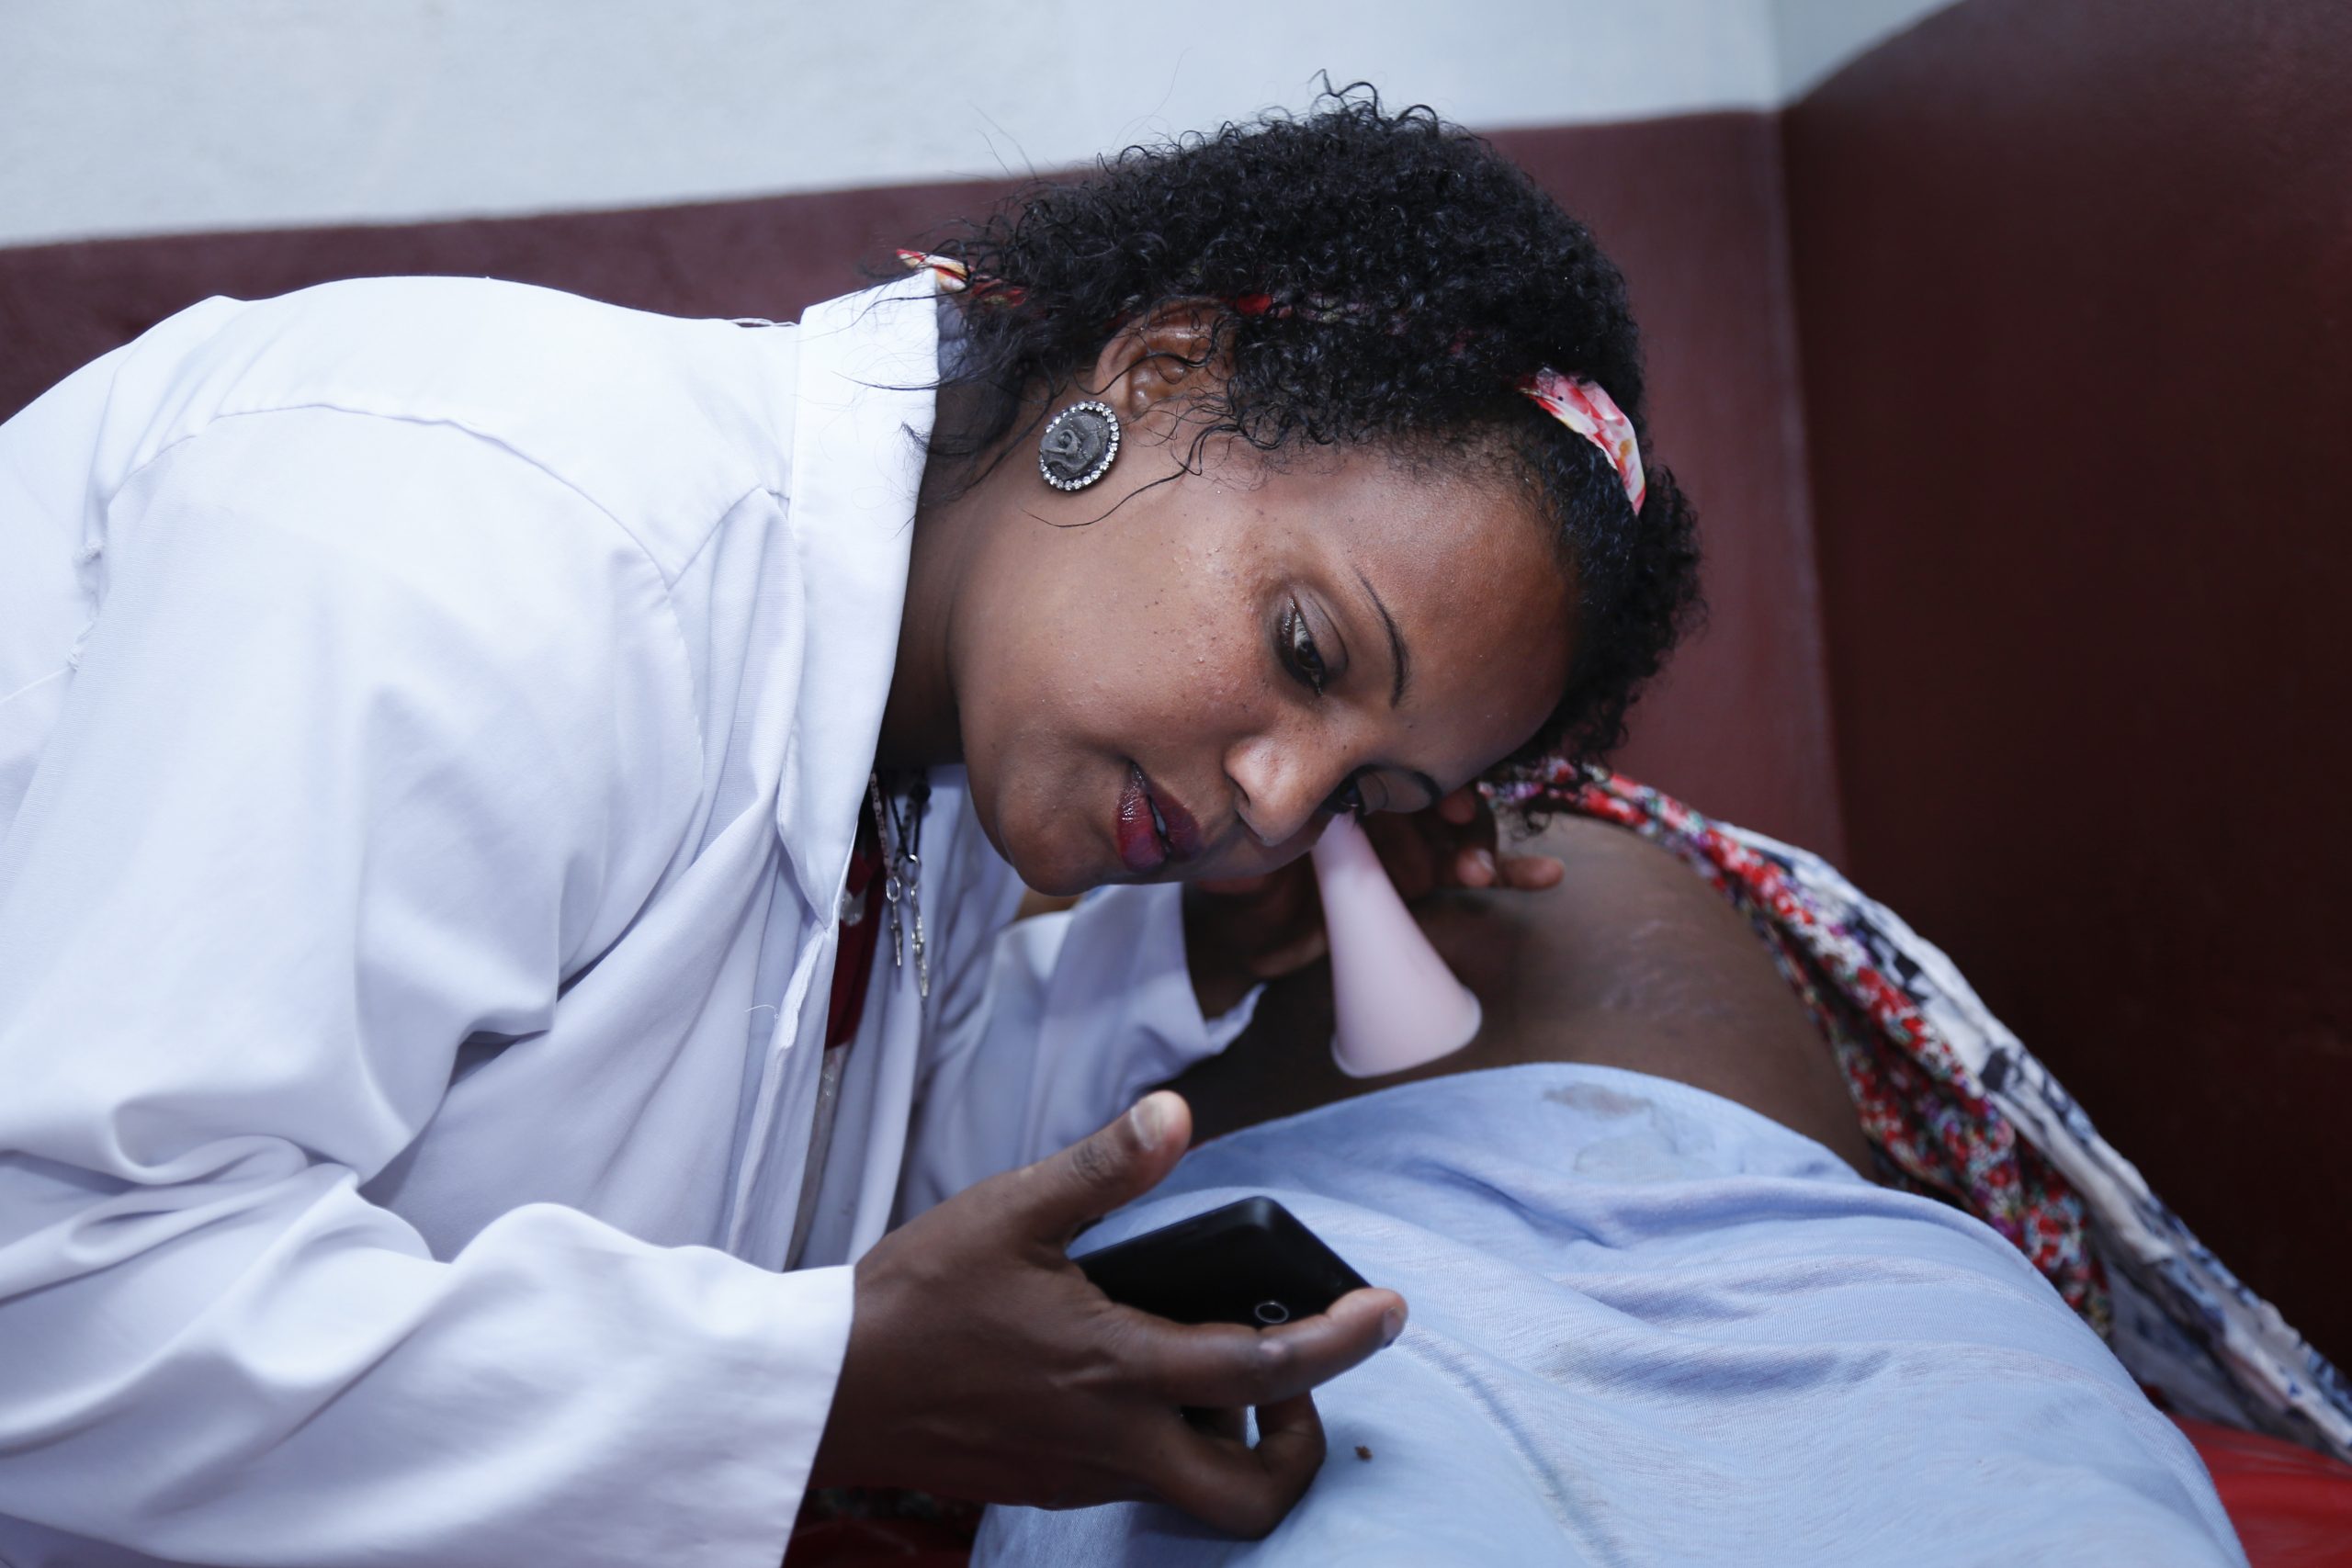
<point>1122,1162</point>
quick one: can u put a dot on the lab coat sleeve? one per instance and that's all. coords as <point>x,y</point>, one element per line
<point>1057,1026</point>
<point>379,732</point>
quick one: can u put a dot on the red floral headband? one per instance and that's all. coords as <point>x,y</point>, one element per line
<point>1583,406</point>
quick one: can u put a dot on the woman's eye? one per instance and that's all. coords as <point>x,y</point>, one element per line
<point>1299,652</point>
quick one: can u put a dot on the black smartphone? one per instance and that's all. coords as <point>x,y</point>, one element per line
<point>1251,1263</point>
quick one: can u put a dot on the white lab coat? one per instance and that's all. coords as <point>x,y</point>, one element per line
<point>434,718</point>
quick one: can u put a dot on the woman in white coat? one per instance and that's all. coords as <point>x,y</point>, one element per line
<point>510,810</point>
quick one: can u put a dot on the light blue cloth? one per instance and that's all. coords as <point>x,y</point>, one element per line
<point>1650,1326</point>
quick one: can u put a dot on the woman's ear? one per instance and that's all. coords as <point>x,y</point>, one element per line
<point>1174,352</point>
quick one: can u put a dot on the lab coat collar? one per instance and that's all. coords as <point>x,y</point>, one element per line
<point>869,365</point>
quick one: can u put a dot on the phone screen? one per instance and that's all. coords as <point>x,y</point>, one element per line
<point>1251,1262</point>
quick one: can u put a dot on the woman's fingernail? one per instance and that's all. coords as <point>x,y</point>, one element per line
<point>1150,1117</point>
<point>1480,864</point>
<point>1392,1323</point>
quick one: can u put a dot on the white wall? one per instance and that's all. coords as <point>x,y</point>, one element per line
<point>155,116</point>
<point>1812,38</point>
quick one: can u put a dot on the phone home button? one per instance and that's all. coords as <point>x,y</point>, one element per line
<point>1271,1313</point>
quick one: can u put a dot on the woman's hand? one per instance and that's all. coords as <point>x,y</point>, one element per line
<point>983,1364</point>
<point>1239,933</point>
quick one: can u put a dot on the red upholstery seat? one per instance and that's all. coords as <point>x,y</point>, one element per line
<point>2292,1507</point>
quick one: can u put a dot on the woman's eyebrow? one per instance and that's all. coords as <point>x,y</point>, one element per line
<point>1396,658</point>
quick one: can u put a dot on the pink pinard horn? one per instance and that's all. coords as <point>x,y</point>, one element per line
<point>1397,1004</point>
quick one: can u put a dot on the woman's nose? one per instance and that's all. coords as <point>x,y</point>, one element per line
<point>1282,784</point>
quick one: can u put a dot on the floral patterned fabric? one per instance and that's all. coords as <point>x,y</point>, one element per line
<point>1958,1107</point>
<point>1584,408</point>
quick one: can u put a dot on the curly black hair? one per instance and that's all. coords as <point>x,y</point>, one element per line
<point>1378,277</point>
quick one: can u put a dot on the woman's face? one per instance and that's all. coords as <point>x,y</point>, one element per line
<point>1182,684</point>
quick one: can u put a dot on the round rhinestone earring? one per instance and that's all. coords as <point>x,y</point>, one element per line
<point>1079,445</point>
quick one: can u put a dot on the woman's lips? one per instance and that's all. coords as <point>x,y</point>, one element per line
<point>1152,829</point>
<point>1141,848</point>
<point>1183,834</point>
